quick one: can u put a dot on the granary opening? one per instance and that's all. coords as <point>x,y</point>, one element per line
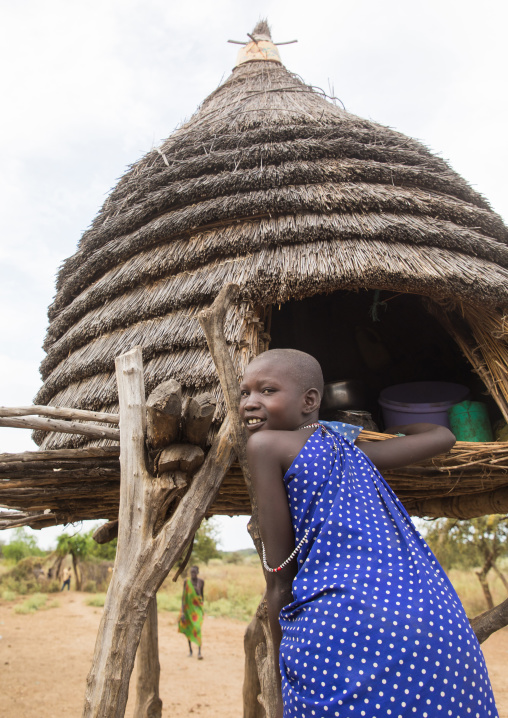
<point>377,339</point>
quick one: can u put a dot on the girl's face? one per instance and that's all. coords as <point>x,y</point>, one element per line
<point>270,398</point>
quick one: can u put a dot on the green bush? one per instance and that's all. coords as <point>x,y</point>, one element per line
<point>21,546</point>
<point>52,586</point>
<point>98,600</point>
<point>90,587</point>
<point>166,602</point>
<point>32,604</point>
<point>9,595</point>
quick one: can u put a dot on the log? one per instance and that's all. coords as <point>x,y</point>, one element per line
<point>467,506</point>
<point>143,559</point>
<point>56,454</point>
<point>183,457</point>
<point>11,519</point>
<point>212,321</point>
<point>198,417</point>
<point>106,532</point>
<point>490,621</point>
<point>64,427</point>
<point>60,412</point>
<point>163,414</point>
<point>253,636</point>
<point>148,702</point>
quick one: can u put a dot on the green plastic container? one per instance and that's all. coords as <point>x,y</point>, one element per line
<point>469,421</point>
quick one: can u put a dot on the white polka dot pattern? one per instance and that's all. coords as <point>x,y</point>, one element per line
<point>375,628</point>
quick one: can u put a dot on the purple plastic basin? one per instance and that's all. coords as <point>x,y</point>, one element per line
<point>426,401</point>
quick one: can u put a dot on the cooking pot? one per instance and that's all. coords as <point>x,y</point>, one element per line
<point>344,394</point>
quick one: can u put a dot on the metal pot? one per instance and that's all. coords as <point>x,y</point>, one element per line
<point>345,394</point>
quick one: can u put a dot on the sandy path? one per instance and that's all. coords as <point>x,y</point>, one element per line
<point>45,657</point>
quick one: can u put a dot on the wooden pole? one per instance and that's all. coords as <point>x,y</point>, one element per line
<point>148,702</point>
<point>65,427</point>
<point>59,412</point>
<point>144,555</point>
<point>212,322</point>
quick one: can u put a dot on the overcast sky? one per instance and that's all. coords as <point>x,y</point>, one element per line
<point>87,88</point>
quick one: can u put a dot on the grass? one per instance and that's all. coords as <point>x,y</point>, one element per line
<point>34,603</point>
<point>233,590</point>
<point>96,600</point>
<point>470,592</point>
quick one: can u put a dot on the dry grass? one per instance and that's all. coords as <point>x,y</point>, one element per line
<point>232,590</point>
<point>470,593</point>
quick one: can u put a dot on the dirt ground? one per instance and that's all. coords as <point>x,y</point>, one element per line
<point>45,657</point>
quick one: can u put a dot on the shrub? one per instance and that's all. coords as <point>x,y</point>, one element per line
<point>32,604</point>
<point>98,600</point>
<point>90,587</point>
<point>9,595</point>
<point>167,602</point>
<point>21,546</point>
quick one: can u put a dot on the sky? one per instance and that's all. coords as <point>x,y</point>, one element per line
<point>89,87</point>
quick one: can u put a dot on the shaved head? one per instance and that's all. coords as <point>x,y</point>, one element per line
<point>301,367</point>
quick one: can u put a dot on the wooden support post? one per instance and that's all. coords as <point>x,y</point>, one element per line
<point>148,702</point>
<point>492,620</point>
<point>212,322</point>
<point>253,637</point>
<point>144,556</point>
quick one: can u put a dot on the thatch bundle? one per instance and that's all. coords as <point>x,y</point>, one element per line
<point>277,189</point>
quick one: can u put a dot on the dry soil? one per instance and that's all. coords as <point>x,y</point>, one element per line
<point>45,657</point>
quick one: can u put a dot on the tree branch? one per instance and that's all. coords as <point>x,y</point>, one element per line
<point>490,621</point>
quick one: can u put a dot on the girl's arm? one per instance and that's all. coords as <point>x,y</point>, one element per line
<point>264,453</point>
<point>421,441</point>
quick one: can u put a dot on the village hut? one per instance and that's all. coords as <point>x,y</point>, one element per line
<point>346,238</point>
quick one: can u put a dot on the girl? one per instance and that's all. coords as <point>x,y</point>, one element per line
<point>365,621</point>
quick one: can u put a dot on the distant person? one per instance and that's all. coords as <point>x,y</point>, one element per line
<point>66,578</point>
<point>191,615</point>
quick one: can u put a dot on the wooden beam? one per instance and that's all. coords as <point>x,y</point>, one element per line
<point>198,417</point>
<point>180,457</point>
<point>164,414</point>
<point>491,621</point>
<point>106,532</point>
<point>95,452</point>
<point>60,412</point>
<point>212,322</point>
<point>65,427</point>
<point>466,506</point>
<point>148,702</point>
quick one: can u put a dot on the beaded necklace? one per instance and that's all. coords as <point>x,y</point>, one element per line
<point>324,431</point>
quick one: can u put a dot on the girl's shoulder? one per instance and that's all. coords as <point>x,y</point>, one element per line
<point>274,446</point>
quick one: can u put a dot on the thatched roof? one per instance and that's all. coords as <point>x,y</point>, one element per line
<point>274,187</point>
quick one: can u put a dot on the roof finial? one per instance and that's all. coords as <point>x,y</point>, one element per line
<point>262,31</point>
<point>261,47</point>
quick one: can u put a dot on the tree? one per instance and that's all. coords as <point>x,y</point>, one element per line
<point>205,542</point>
<point>78,546</point>
<point>21,546</point>
<point>475,542</point>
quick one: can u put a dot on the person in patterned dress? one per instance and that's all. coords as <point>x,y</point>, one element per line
<point>191,613</point>
<point>364,619</point>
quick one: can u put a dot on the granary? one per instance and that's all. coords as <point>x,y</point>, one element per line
<point>318,216</point>
<point>325,222</point>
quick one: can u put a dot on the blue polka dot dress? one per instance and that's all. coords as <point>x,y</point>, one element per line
<point>375,628</point>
